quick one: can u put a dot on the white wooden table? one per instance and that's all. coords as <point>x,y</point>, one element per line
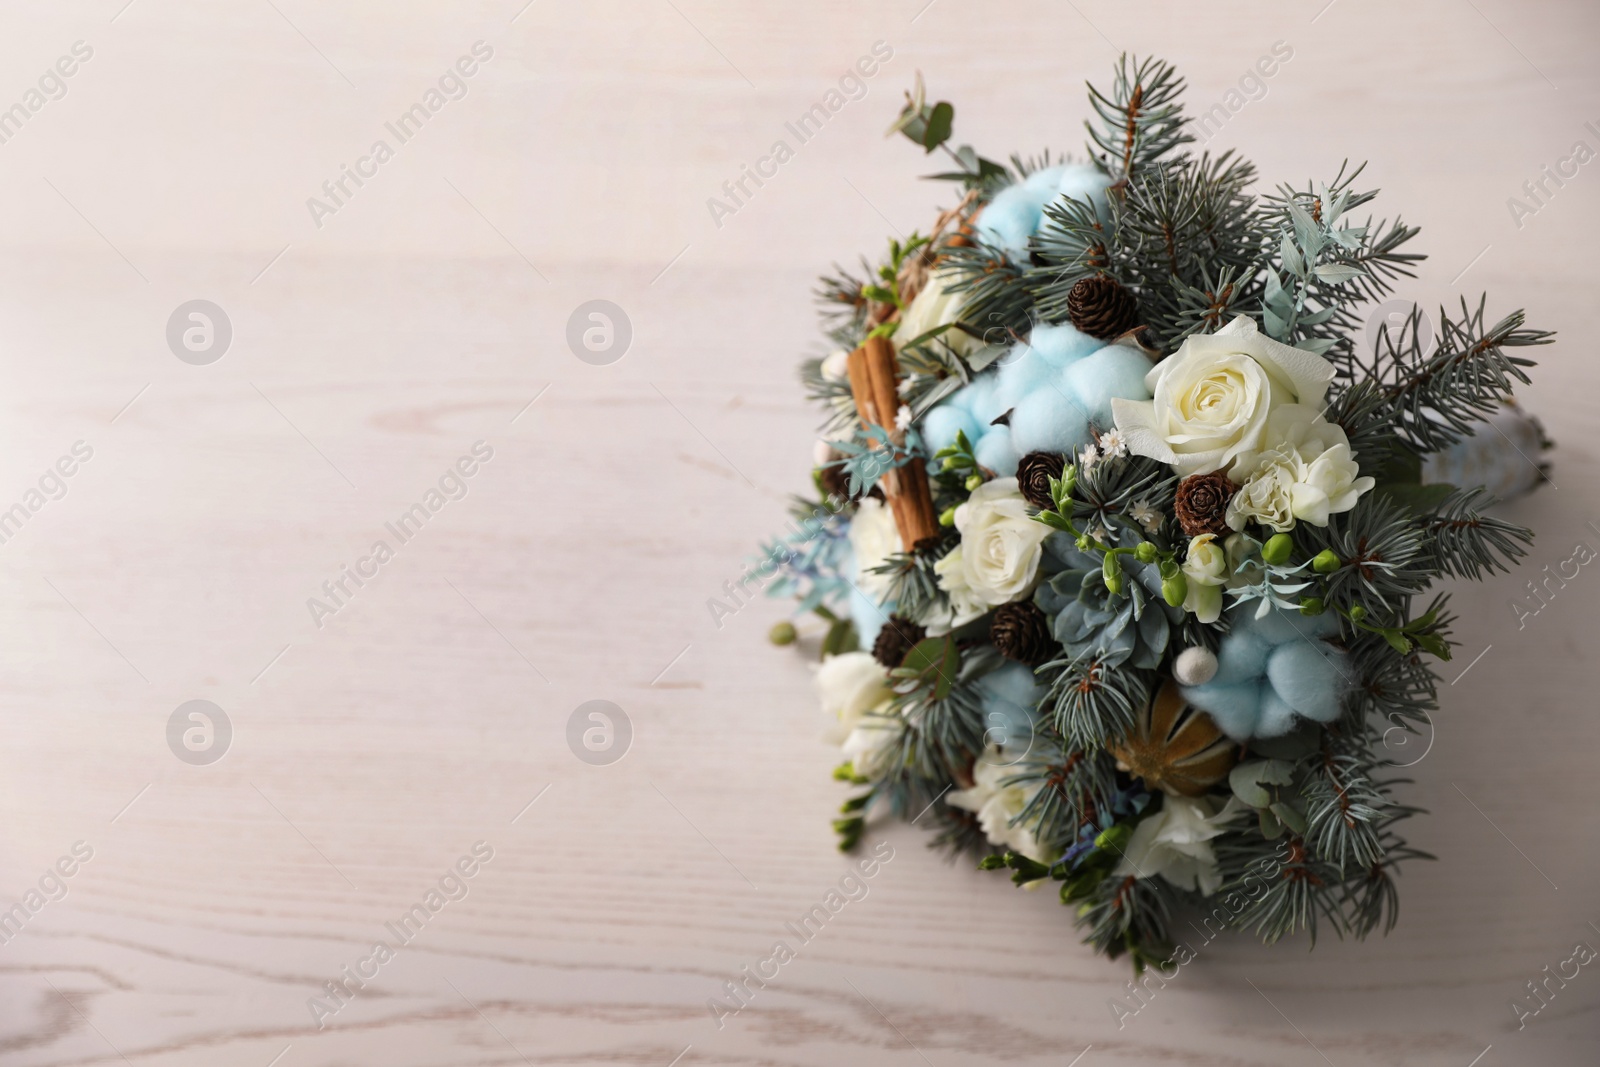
<point>430,710</point>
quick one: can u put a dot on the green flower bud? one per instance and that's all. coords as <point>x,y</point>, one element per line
<point>947,517</point>
<point>1277,549</point>
<point>1114,838</point>
<point>950,463</point>
<point>1145,552</point>
<point>1111,570</point>
<point>782,633</point>
<point>1312,605</point>
<point>1326,562</point>
<point>1358,613</point>
<point>1175,590</point>
<point>973,481</point>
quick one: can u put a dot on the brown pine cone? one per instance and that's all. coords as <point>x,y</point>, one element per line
<point>895,640</point>
<point>1034,472</point>
<point>1020,631</point>
<point>1101,307</point>
<point>1202,503</point>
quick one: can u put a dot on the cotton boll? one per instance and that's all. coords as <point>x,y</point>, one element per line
<point>1021,371</point>
<point>1276,718</point>
<point>1114,371</point>
<point>1234,708</point>
<point>1046,420</point>
<point>1084,182</point>
<point>1010,219</point>
<point>1308,678</point>
<point>1063,345</point>
<point>1242,656</point>
<point>939,426</point>
<point>1282,627</point>
<point>994,450</point>
<point>1015,212</point>
<point>982,397</point>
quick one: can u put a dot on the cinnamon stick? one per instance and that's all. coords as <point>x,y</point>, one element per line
<point>873,382</point>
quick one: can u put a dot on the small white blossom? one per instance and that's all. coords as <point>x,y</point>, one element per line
<point>1142,513</point>
<point>1087,458</point>
<point>904,387</point>
<point>902,419</point>
<point>1099,533</point>
<point>1113,444</point>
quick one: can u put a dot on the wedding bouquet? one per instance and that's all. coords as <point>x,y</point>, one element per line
<point>1122,533</point>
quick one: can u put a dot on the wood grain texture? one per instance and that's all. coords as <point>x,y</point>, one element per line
<point>424,715</point>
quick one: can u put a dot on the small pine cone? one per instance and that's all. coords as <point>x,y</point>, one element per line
<point>1020,631</point>
<point>1202,503</point>
<point>897,638</point>
<point>1101,307</point>
<point>1034,472</point>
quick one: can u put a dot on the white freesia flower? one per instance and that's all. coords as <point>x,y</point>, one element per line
<point>932,307</point>
<point>871,746</point>
<point>873,539</point>
<point>996,804</point>
<point>998,558</point>
<point>1213,396</point>
<point>1205,566</point>
<point>1113,444</point>
<point>1309,475</point>
<point>1175,843</point>
<point>850,685</point>
<point>1142,513</point>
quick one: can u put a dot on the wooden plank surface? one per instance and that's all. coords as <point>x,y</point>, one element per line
<point>426,710</point>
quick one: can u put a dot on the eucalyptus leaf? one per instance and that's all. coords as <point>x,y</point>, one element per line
<point>1290,816</point>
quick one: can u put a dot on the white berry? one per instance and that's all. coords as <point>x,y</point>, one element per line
<point>1195,666</point>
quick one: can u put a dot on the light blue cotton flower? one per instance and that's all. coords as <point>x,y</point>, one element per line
<point>1271,672</point>
<point>1017,212</point>
<point>1055,385</point>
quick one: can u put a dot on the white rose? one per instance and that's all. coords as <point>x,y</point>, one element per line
<point>1310,474</point>
<point>872,745</point>
<point>873,538</point>
<point>850,685</point>
<point>998,558</point>
<point>932,307</point>
<point>1213,396</point>
<point>1205,566</point>
<point>965,604</point>
<point>1175,843</point>
<point>996,804</point>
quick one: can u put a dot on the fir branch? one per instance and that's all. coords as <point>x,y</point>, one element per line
<point>1141,120</point>
<point>1466,543</point>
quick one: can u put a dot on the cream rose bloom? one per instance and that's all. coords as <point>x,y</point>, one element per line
<point>996,804</point>
<point>998,558</point>
<point>1309,475</point>
<point>1213,396</point>
<point>1175,843</point>
<point>1205,566</point>
<point>873,539</point>
<point>872,745</point>
<point>850,685</point>
<point>932,307</point>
